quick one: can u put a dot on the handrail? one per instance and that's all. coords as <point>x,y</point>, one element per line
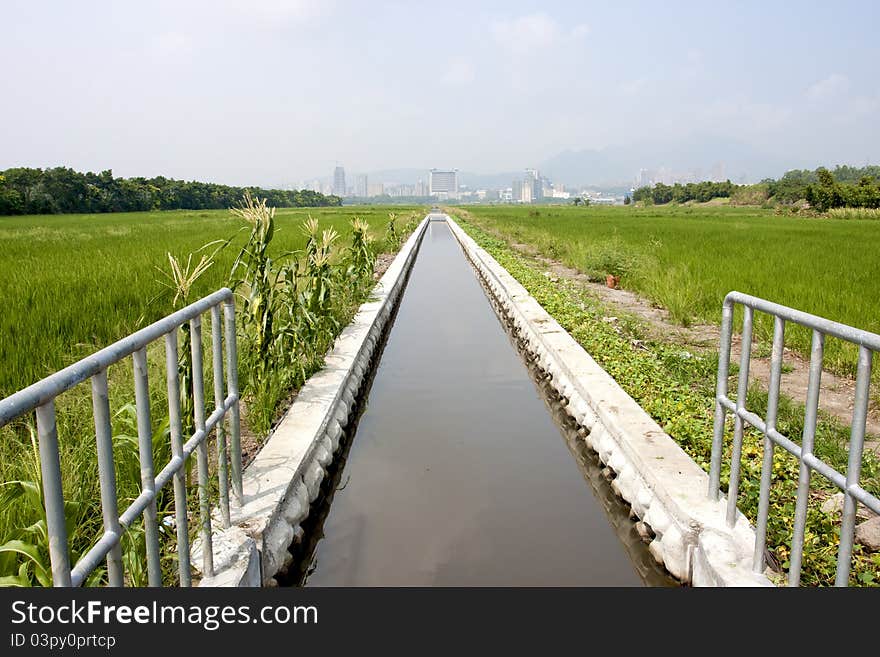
<point>848,482</point>
<point>40,397</point>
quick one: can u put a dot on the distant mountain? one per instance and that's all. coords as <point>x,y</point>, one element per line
<point>702,156</point>
<point>617,167</point>
<point>472,180</point>
<point>398,176</point>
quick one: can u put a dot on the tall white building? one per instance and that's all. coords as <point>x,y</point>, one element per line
<point>527,191</point>
<point>535,184</point>
<point>360,188</point>
<point>339,181</point>
<point>443,183</point>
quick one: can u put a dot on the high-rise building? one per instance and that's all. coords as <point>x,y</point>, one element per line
<point>527,191</point>
<point>535,184</point>
<point>443,183</point>
<point>360,188</point>
<point>375,189</point>
<point>421,190</point>
<point>339,181</point>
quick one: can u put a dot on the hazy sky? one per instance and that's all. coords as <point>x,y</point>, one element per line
<point>273,91</point>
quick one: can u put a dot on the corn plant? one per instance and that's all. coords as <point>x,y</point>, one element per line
<point>361,259</point>
<point>180,280</point>
<point>392,239</point>
<point>317,295</point>
<point>254,279</point>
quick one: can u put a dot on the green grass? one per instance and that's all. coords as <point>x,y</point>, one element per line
<point>73,283</point>
<point>677,389</point>
<point>687,258</point>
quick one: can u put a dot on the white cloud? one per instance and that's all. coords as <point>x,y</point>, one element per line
<point>172,43</point>
<point>283,11</point>
<point>829,88</point>
<point>580,31</point>
<point>206,15</point>
<point>459,70</point>
<point>633,87</point>
<point>866,107</point>
<point>526,32</point>
<point>693,65</point>
<point>745,116</point>
<point>532,32</point>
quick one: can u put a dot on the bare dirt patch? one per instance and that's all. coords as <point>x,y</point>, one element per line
<point>383,262</point>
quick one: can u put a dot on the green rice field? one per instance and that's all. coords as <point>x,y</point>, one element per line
<point>71,284</point>
<point>687,258</point>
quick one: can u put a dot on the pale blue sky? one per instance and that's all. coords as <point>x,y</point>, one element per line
<point>276,91</point>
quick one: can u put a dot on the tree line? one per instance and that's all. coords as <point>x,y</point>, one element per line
<point>700,192</point>
<point>62,190</point>
<point>845,186</point>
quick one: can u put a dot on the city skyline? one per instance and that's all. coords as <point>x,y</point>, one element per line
<point>446,185</point>
<point>532,186</point>
<point>574,89</point>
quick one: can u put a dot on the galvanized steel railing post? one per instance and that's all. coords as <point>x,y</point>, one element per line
<point>854,466</point>
<point>767,465</point>
<point>53,496</point>
<point>176,428</point>
<point>145,454</point>
<point>222,456</point>
<point>742,390</point>
<point>720,411</point>
<point>811,417</point>
<point>232,391</point>
<point>107,474</point>
<point>195,326</point>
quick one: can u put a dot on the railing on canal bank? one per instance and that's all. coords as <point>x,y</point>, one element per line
<point>40,397</point>
<point>849,482</point>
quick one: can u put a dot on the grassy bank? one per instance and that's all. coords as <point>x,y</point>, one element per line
<point>677,389</point>
<point>687,258</point>
<point>75,283</point>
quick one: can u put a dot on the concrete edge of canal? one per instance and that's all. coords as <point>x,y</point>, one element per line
<point>666,489</point>
<point>283,480</point>
<point>664,486</point>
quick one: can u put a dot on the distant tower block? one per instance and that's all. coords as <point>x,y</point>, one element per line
<point>443,184</point>
<point>339,181</point>
<point>361,187</point>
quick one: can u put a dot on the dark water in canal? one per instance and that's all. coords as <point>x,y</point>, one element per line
<point>457,473</point>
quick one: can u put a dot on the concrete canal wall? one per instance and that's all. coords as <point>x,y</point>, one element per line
<point>666,489</point>
<point>283,480</point>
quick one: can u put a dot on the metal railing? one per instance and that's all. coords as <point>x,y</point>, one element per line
<point>40,397</point>
<point>848,482</point>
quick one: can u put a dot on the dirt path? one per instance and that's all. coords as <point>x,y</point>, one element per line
<point>837,393</point>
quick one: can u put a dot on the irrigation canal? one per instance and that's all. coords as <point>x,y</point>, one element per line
<point>461,471</point>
